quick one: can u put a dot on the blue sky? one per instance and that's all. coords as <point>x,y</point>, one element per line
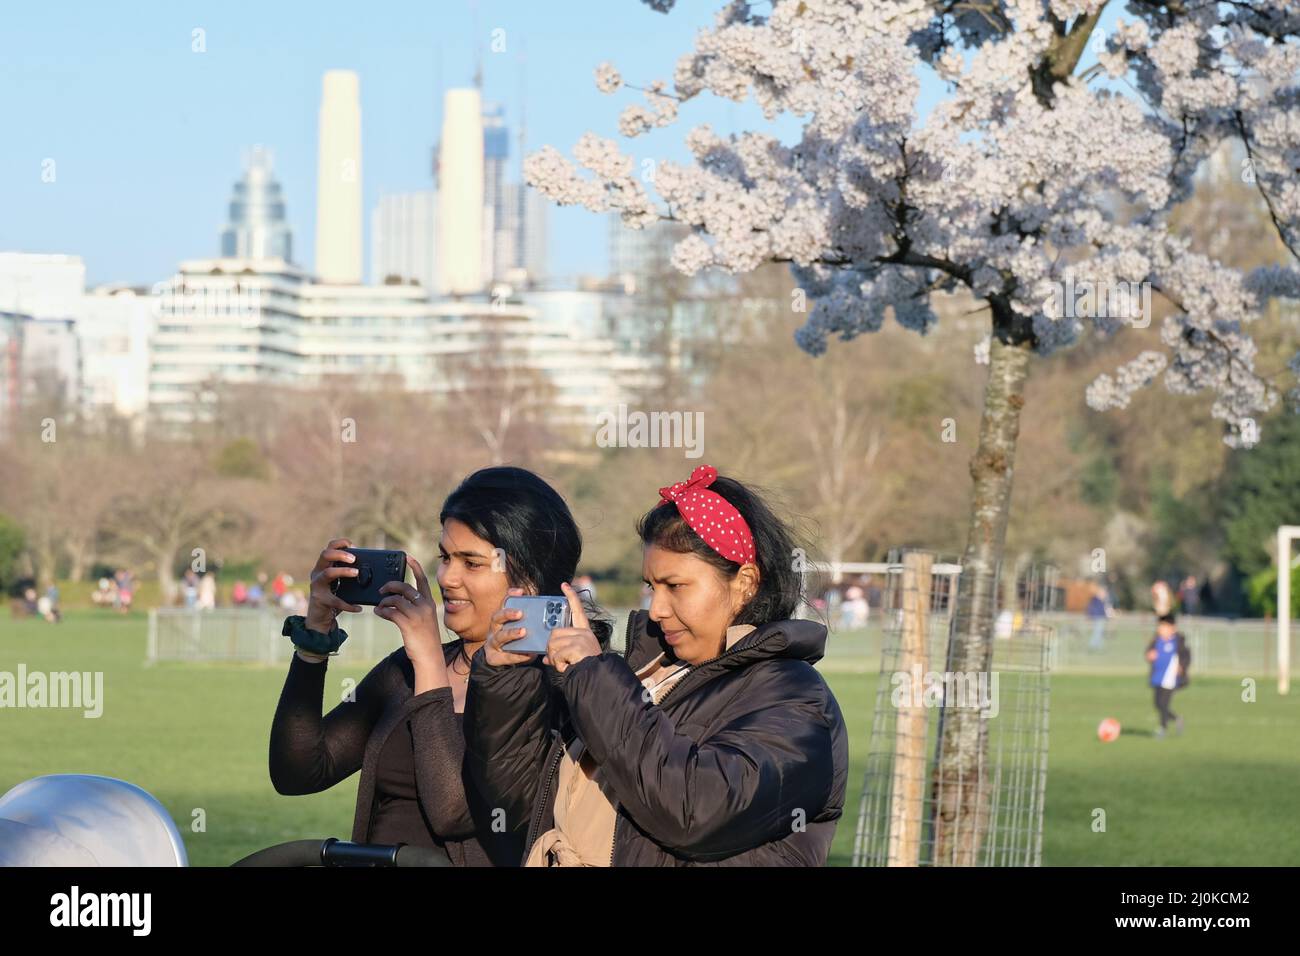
<point>148,136</point>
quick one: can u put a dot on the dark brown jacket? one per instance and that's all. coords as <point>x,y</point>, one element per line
<point>311,753</point>
<point>743,762</point>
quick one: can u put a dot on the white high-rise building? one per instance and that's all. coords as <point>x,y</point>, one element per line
<point>44,286</point>
<point>11,370</point>
<point>460,194</point>
<point>534,208</point>
<point>499,213</point>
<point>114,326</point>
<point>514,214</point>
<point>263,322</point>
<point>42,296</point>
<point>52,360</point>
<point>96,342</point>
<point>505,238</point>
<point>338,179</point>
<point>403,239</point>
<point>258,228</point>
<point>221,320</point>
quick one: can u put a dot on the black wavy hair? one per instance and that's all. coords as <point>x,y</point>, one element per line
<point>780,587</point>
<point>526,518</point>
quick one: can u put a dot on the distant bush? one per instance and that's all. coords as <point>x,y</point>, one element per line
<point>1261,592</point>
<point>12,541</point>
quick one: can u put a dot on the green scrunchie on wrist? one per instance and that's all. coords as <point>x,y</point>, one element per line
<point>296,629</point>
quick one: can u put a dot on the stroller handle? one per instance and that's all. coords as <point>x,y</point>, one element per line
<point>335,852</point>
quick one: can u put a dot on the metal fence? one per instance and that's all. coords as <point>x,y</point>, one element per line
<point>1220,647</point>
<point>252,635</point>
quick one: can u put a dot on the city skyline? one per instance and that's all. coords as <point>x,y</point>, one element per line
<point>224,100</point>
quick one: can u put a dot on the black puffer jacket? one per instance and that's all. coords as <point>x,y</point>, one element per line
<point>743,762</point>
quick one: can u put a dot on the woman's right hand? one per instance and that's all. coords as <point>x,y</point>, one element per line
<point>323,605</point>
<point>499,634</point>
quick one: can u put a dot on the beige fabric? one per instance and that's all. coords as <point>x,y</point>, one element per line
<point>584,817</point>
<point>585,808</point>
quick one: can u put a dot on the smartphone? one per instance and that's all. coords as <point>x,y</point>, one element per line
<point>541,616</point>
<point>375,568</point>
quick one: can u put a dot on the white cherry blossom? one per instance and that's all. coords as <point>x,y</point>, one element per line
<point>1025,175</point>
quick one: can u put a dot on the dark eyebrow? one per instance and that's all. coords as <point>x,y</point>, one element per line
<point>663,580</point>
<point>461,554</point>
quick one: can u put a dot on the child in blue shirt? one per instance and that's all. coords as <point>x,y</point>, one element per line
<point>1169,658</point>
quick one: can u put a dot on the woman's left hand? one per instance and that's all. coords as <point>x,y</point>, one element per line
<point>568,645</point>
<point>416,616</point>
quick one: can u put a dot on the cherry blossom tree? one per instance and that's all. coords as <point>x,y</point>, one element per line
<point>1032,175</point>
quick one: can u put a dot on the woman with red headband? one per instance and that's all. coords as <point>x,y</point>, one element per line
<point>714,740</point>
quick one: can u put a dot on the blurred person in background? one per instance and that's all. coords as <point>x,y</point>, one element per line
<point>102,596</point>
<point>1162,598</point>
<point>1189,596</point>
<point>125,590</point>
<point>207,591</point>
<point>854,609</point>
<point>48,605</point>
<point>1099,612</point>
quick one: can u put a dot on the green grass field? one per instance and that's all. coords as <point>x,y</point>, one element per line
<point>195,736</point>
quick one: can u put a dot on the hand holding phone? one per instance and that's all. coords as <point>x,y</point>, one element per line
<point>569,645</point>
<point>375,568</point>
<point>323,605</point>
<point>541,615</point>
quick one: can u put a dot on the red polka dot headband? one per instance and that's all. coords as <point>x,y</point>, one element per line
<point>711,516</point>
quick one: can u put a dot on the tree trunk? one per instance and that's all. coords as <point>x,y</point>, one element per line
<point>166,558</point>
<point>45,561</point>
<point>80,554</point>
<point>961,781</point>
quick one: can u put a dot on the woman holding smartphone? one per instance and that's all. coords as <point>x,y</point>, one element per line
<point>713,741</point>
<point>402,726</point>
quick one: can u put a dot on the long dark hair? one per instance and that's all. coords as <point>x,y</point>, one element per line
<point>780,587</point>
<point>526,518</point>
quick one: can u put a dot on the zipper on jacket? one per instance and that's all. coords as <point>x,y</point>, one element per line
<point>613,843</point>
<point>627,638</point>
<point>536,823</point>
<point>540,808</point>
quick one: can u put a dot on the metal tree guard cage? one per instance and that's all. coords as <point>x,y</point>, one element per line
<point>904,787</point>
